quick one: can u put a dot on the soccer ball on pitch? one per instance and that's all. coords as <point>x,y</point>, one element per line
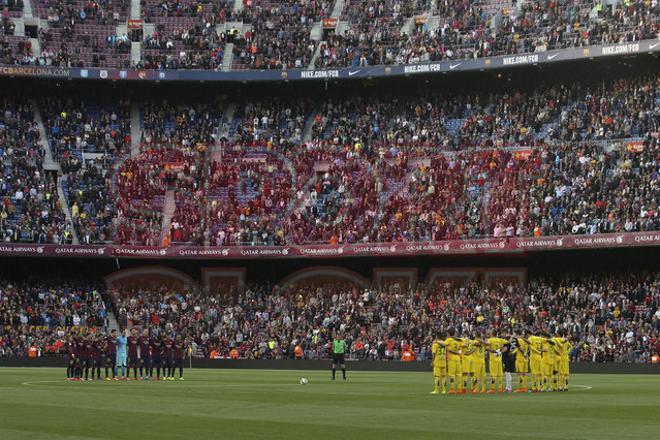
<point>303,381</point>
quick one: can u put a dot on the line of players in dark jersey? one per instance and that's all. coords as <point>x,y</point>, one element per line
<point>91,352</point>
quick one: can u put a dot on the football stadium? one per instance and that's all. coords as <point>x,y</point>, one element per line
<point>327,219</point>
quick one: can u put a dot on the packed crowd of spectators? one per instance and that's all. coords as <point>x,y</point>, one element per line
<point>92,209</point>
<point>460,29</point>
<point>76,125</point>
<point>40,313</point>
<point>11,8</point>
<point>217,11</point>
<point>278,35</point>
<point>248,200</point>
<point>31,209</point>
<point>190,34</point>
<point>83,33</point>
<point>88,138</point>
<point>560,159</point>
<point>180,124</point>
<point>609,317</point>
<point>15,50</point>
<point>373,35</point>
<point>566,112</point>
<point>185,45</point>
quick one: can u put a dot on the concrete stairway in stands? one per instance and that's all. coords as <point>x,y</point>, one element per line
<point>135,9</point>
<point>168,210</point>
<point>36,47</point>
<point>227,118</point>
<point>49,162</point>
<point>27,9</point>
<point>136,130</point>
<point>136,52</point>
<point>317,53</point>
<point>67,211</point>
<point>317,31</point>
<point>228,56</point>
<point>337,9</point>
<point>19,26</point>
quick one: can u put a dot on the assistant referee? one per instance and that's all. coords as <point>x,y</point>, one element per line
<point>338,355</point>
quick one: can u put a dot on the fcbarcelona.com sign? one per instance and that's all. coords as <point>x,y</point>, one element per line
<point>450,247</point>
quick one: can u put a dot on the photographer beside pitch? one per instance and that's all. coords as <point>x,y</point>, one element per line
<point>338,355</point>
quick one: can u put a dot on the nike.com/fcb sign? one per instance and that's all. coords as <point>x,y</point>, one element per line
<point>355,72</point>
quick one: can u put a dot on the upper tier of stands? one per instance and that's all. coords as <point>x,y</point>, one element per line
<point>261,34</point>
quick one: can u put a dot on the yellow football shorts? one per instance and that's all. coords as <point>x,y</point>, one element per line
<point>495,367</point>
<point>454,367</point>
<point>439,370</point>
<point>479,368</point>
<point>467,365</point>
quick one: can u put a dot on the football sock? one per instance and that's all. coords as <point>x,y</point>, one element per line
<point>180,371</point>
<point>343,373</point>
<point>333,372</point>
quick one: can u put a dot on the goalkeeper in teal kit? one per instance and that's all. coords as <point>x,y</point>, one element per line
<point>121,356</point>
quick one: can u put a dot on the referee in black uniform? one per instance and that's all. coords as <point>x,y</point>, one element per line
<point>509,362</point>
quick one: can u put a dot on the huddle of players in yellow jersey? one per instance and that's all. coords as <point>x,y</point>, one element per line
<point>459,364</point>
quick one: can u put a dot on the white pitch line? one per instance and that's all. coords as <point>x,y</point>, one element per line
<point>187,384</point>
<point>39,381</point>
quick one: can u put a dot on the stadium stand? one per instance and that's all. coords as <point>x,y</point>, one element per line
<point>31,209</point>
<point>578,159</point>
<point>43,313</point>
<point>612,318</point>
<point>83,33</point>
<point>266,35</point>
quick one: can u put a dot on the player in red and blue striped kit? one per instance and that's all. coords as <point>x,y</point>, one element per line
<point>145,354</point>
<point>133,361</point>
<point>111,354</point>
<point>168,358</point>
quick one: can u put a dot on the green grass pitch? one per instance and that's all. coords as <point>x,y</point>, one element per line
<point>37,403</point>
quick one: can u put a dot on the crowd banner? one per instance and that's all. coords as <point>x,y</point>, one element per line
<point>449,247</point>
<point>356,72</point>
